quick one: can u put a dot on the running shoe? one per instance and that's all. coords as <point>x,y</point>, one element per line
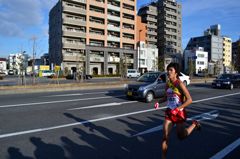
<point>198,125</point>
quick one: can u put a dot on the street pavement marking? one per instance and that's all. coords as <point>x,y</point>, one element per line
<point>74,124</point>
<point>201,100</point>
<point>227,150</point>
<point>103,105</point>
<point>61,101</point>
<point>205,116</point>
<point>75,94</point>
<point>95,120</point>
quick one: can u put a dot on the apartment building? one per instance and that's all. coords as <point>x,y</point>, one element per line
<point>227,51</point>
<point>164,29</point>
<point>18,62</point>
<point>169,27</point>
<point>236,55</point>
<point>148,14</point>
<point>197,58</point>
<point>93,35</point>
<point>212,43</point>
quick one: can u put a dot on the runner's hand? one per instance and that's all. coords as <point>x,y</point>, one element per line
<point>156,105</point>
<point>175,111</point>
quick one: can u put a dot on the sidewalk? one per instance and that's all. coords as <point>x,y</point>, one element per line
<point>4,90</point>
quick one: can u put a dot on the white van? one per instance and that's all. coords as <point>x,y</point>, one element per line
<point>132,73</point>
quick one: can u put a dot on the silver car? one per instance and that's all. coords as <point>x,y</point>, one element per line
<point>149,86</point>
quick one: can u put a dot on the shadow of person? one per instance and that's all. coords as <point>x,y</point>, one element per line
<point>47,151</point>
<point>14,153</point>
<point>76,150</point>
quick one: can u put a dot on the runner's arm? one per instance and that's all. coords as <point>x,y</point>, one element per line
<point>187,95</point>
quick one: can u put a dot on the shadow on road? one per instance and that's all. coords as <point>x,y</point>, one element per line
<point>93,141</point>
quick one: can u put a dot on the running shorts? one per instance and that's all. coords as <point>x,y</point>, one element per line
<point>180,117</point>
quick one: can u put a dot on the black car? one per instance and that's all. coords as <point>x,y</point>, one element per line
<point>229,81</point>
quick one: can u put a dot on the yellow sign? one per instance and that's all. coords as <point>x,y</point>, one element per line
<point>44,67</point>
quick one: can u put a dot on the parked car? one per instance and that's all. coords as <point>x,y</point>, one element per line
<point>47,73</point>
<point>10,72</point>
<point>184,78</point>
<point>229,81</point>
<point>71,76</point>
<point>132,73</point>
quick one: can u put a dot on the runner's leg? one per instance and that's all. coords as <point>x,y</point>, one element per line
<point>183,132</point>
<point>167,126</point>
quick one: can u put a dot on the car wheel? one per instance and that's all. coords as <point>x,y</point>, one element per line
<point>231,86</point>
<point>185,83</point>
<point>149,97</point>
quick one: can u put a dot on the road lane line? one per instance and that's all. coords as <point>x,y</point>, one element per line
<point>74,124</point>
<point>227,95</point>
<point>205,116</point>
<point>75,94</point>
<point>103,105</point>
<point>52,102</point>
<point>226,150</point>
<point>94,120</point>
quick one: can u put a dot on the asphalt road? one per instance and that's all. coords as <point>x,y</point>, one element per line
<point>103,124</point>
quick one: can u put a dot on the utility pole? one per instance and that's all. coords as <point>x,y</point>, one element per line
<point>33,60</point>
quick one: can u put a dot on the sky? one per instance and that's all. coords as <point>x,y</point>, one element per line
<point>21,20</point>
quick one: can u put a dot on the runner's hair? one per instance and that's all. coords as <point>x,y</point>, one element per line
<point>176,67</point>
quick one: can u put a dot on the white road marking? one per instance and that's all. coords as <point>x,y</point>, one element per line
<point>74,124</point>
<point>103,105</point>
<point>227,95</point>
<point>95,120</point>
<point>226,150</point>
<point>205,116</point>
<point>52,102</point>
<point>75,94</point>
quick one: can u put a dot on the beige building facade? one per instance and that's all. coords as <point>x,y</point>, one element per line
<point>227,51</point>
<point>93,35</point>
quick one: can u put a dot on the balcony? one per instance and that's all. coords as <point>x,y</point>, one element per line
<point>74,45</point>
<point>74,34</point>
<point>74,22</point>
<point>152,39</point>
<point>97,25</point>
<point>128,40</point>
<point>96,14</point>
<point>152,12</point>
<point>96,36</point>
<point>152,33</point>
<point>113,28</point>
<point>73,57</point>
<point>113,59</point>
<point>129,31</point>
<point>132,12</point>
<point>80,1</point>
<point>96,3</point>
<point>74,10</point>
<point>152,26</point>
<point>128,21</point>
<point>115,18</point>
<point>113,38</point>
<point>112,7</point>
<point>96,59</point>
<point>152,19</point>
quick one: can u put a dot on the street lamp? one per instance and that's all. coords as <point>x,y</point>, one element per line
<point>139,51</point>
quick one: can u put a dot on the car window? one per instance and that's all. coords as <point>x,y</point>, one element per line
<point>148,77</point>
<point>225,76</point>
